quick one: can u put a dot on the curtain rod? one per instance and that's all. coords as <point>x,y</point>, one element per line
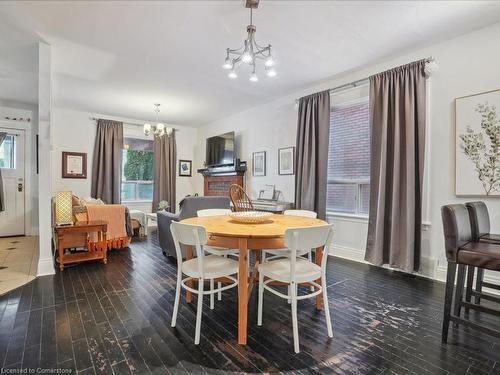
<point>359,81</point>
<point>129,122</point>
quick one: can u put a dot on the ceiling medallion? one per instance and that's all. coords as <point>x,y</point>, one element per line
<point>250,52</point>
<point>159,128</point>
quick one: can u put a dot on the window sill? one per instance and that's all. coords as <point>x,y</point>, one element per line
<point>132,202</point>
<point>361,217</point>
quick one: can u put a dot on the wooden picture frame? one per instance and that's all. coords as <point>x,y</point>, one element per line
<point>74,165</point>
<point>286,161</point>
<point>259,163</point>
<point>185,168</point>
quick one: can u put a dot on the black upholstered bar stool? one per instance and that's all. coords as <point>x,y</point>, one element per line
<point>462,251</point>
<point>480,227</point>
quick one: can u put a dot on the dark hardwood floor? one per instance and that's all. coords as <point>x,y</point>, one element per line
<point>115,318</point>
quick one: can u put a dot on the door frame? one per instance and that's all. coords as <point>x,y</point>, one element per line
<point>30,228</point>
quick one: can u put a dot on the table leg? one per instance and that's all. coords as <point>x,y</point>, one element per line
<point>189,255</point>
<point>317,258</point>
<point>242,291</point>
<point>104,247</point>
<point>60,250</point>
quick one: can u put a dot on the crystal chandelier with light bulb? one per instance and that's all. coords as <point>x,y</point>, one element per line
<point>250,52</point>
<point>159,128</point>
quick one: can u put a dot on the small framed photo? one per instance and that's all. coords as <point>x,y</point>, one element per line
<point>74,165</point>
<point>259,163</point>
<point>286,160</point>
<point>185,167</point>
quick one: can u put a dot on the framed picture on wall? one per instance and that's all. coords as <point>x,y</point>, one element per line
<point>185,167</point>
<point>74,164</point>
<point>477,161</point>
<point>259,163</point>
<point>286,160</point>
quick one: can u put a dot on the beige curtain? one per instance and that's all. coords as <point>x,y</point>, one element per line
<point>107,161</point>
<point>397,112</point>
<point>165,150</point>
<point>3,135</point>
<point>313,134</point>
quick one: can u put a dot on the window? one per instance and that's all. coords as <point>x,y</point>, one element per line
<point>137,170</point>
<point>8,153</point>
<point>348,188</point>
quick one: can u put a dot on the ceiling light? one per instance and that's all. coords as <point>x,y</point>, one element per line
<point>250,52</point>
<point>247,58</point>
<point>253,77</point>
<point>271,73</point>
<point>269,62</point>
<point>228,64</point>
<point>159,129</point>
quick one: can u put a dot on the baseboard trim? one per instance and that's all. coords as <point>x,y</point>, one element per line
<point>46,267</point>
<point>428,265</point>
<point>349,253</point>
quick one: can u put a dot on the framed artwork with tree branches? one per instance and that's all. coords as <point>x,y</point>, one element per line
<point>477,152</point>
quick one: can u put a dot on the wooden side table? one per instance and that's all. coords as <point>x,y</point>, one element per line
<point>66,235</point>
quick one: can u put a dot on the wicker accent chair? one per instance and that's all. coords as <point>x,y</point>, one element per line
<point>240,199</point>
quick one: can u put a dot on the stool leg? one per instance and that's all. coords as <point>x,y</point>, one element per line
<point>450,282</point>
<point>470,282</point>
<point>460,289</point>
<point>479,284</point>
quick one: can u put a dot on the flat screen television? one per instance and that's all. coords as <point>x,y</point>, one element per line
<point>220,150</point>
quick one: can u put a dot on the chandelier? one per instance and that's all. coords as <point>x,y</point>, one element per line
<point>250,52</point>
<point>159,128</point>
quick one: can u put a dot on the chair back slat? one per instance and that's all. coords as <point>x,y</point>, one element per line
<point>300,240</point>
<point>190,235</point>
<point>213,212</point>
<point>240,199</point>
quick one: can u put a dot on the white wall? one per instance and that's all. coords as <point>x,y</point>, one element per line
<point>467,65</point>
<point>74,130</point>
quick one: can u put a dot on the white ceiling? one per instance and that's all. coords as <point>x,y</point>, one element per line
<point>119,58</point>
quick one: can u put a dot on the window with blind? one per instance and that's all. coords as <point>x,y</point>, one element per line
<point>137,170</point>
<point>348,188</point>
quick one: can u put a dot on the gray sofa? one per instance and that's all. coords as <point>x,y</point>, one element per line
<point>188,207</point>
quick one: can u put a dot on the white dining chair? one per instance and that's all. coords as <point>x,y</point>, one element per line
<point>295,269</point>
<point>283,252</point>
<point>216,250</point>
<point>202,268</point>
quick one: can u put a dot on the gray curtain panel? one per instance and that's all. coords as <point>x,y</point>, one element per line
<point>397,113</point>
<point>107,161</point>
<point>165,150</point>
<point>2,198</point>
<point>313,131</point>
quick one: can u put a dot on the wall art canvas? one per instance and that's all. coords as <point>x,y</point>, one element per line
<point>477,151</point>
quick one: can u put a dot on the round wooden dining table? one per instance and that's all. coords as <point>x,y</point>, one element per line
<point>223,231</point>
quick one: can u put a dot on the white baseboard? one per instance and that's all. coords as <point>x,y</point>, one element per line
<point>428,265</point>
<point>46,267</point>
<point>357,255</point>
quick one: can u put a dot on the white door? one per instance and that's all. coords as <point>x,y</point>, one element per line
<point>12,164</point>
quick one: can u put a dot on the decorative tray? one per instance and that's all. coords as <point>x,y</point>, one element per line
<point>250,217</point>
